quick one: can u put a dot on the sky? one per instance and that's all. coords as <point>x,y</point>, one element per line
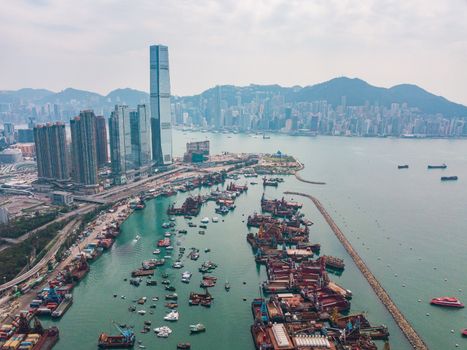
<point>101,45</point>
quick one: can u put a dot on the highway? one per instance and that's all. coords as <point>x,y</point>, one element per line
<point>47,257</point>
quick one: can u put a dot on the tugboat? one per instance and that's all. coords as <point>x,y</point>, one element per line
<point>447,302</point>
<point>125,340</point>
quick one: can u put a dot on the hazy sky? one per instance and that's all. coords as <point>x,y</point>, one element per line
<point>101,45</point>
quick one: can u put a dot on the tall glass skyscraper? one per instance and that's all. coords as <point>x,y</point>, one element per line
<point>140,123</point>
<point>161,120</point>
<point>120,143</point>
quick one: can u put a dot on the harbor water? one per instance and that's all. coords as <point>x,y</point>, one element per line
<point>406,224</point>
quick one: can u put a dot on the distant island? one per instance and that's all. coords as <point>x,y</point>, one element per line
<point>341,106</point>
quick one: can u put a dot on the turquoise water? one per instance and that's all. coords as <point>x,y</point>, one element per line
<point>404,223</point>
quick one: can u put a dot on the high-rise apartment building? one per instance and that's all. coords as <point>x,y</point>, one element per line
<point>161,120</point>
<point>140,124</point>
<point>9,132</point>
<point>120,143</point>
<point>51,151</point>
<point>84,148</point>
<point>101,142</point>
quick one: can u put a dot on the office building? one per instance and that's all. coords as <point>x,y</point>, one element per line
<point>196,151</point>
<point>62,198</point>
<point>9,132</point>
<point>140,124</point>
<point>161,120</point>
<point>51,151</point>
<point>101,142</point>
<point>84,148</point>
<point>120,143</point>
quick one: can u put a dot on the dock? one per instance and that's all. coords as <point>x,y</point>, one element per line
<point>412,336</point>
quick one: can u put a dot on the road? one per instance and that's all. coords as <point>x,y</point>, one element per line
<point>47,257</point>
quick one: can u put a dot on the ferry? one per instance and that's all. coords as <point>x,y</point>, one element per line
<point>447,301</point>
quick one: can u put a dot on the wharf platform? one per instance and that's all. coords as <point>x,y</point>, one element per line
<point>412,336</point>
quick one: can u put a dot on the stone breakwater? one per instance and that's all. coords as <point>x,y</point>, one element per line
<point>412,336</point>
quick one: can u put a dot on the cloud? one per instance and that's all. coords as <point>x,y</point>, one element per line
<point>101,44</point>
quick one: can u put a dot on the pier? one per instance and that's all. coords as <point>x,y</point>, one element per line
<point>412,336</point>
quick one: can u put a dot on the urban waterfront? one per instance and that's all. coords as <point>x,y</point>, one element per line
<point>412,223</point>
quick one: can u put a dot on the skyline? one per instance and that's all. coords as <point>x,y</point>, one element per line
<point>237,43</point>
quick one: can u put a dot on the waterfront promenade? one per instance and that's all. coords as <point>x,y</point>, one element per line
<point>412,336</point>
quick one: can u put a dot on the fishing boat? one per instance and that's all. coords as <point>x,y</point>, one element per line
<point>197,328</point>
<point>447,302</point>
<point>172,316</point>
<point>125,340</point>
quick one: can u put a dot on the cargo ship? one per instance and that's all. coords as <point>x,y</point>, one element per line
<point>125,340</point>
<point>23,336</point>
<point>333,262</point>
<point>63,307</point>
<point>449,178</point>
<point>447,302</point>
<point>442,166</point>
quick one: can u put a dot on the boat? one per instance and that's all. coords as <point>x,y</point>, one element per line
<point>170,288</point>
<point>207,250</point>
<point>125,340</point>
<point>227,286</point>
<point>177,265</point>
<point>223,210</point>
<point>197,328</point>
<point>172,316</point>
<point>464,332</point>
<point>167,234</point>
<point>142,312</point>
<point>449,178</point>
<point>165,225</point>
<point>173,296</point>
<point>183,346</point>
<point>215,219</point>
<point>447,302</point>
<point>137,237</point>
<point>205,220</point>
<point>63,307</point>
<point>171,305</point>
<point>405,166</point>
<point>157,251</point>
<point>163,332</point>
<point>164,242</point>
<point>442,166</point>
<point>186,276</point>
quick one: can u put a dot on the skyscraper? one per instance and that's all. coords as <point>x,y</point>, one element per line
<point>9,132</point>
<point>84,153</point>
<point>140,124</point>
<point>51,151</point>
<point>101,140</point>
<point>120,143</point>
<point>161,121</point>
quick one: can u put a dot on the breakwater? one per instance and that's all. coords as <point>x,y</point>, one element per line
<point>412,336</point>
<point>299,178</point>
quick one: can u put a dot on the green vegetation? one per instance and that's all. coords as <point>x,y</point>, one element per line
<point>21,226</point>
<point>14,258</point>
<point>281,159</point>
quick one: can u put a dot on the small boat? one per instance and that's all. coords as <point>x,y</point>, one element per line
<point>215,219</point>
<point>201,232</point>
<point>177,265</point>
<point>227,286</point>
<point>405,166</point>
<point>165,275</point>
<point>137,237</point>
<point>171,305</point>
<point>163,332</point>
<point>142,312</point>
<point>207,250</point>
<point>447,301</point>
<point>173,296</point>
<point>182,231</point>
<point>183,346</point>
<point>157,251</point>
<point>186,276</point>
<point>167,234</point>
<point>442,166</point>
<point>449,178</point>
<point>170,288</point>
<point>169,247</point>
<point>197,328</point>
<point>172,316</point>
<point>464,333</point>
<point>205,220</point>
<point>165,225</point>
